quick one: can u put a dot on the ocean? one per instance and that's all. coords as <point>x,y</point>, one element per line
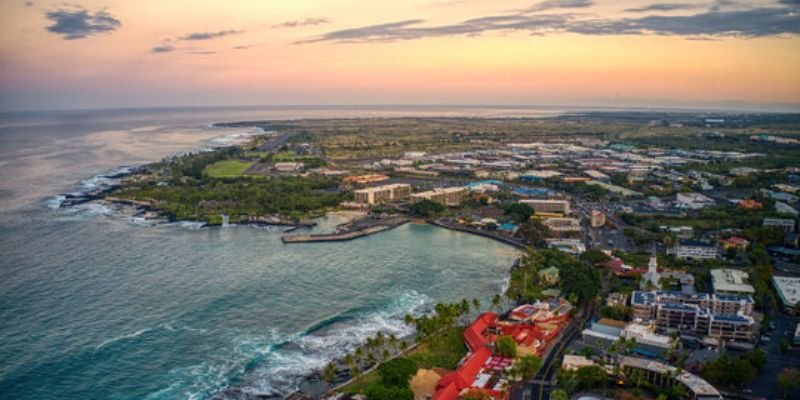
<point>97,305</point>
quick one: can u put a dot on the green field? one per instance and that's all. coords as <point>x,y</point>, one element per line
<point>227,168</point>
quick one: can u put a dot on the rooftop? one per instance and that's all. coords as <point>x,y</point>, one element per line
<point>731,281</point>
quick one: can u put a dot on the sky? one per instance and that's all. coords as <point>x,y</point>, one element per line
<point>738,54</point>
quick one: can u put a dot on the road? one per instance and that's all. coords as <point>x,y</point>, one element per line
<point>765,384</point>
<point>540,386</point>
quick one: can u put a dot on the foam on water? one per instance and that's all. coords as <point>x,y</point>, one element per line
<point>275,364</point>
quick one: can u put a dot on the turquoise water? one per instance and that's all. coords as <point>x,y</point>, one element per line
<point>96,306</point>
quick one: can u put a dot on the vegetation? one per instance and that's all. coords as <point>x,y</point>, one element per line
<point>620,312</point>
<point>789,380</point>
<point>227,169</point>
<point>427,208</point>
<point>506,347</point>
<point>734,372</point>
<point>577,279</point>
<point>293,197</point>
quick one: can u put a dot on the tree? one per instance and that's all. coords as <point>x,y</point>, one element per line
<point>427,208</point>
<point>527,366</point>
<point>591,377</point>
<point>506,347</point>
<point>559,394</point>
<point>595,256</point>
<point>329,373</point>
<point>566,380</point>
<point>788,379</point>
<point>496,300</point>
<point>518,212</point>
<point>397,372</point>
<point>476,305</point>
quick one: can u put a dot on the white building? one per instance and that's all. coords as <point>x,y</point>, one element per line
<point>788,289</point>
<point>692,201</point>
<point>693,250</point>
<point>733,281</point>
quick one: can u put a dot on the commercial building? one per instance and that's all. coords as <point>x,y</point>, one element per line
<point>547,206</point>
<point>597,218</point>
<point>451,196</point>
<point>788,289</point>
<point>783,223</point>
<point>731,281</point>
<point>364,179</point>
<point>289,166</point>
<point>693,250</point>
<point>719,316</point>
<point>563,224</point>
<point>382,194</point>
<point>664,375</point>
<point>692,201</point>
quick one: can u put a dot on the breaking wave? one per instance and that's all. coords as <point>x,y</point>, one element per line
<point>274,364</point>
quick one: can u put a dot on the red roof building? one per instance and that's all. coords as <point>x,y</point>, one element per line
<point>531,326</point>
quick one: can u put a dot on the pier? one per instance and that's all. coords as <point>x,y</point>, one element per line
<point>353,231</point>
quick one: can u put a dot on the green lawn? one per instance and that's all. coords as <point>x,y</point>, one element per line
<point>443,350</point>
<point>227,168</point>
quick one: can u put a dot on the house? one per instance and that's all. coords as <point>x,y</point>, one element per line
<point>735,242</point>
<point>750,204</point>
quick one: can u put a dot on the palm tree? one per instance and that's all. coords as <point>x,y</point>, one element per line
<point>393,340</point>
<point>385,355</point>
<point>409,319</point>
<point>496,300</point>
<point>329,373</point>
<point>476,305</point>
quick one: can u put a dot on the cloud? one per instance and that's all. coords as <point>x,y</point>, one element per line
<point>79,23</point>
<point>554,4</point>
<point>305,22</point>
<point>748,23</point>
<point>208,35</point>
<point>741,23</point>
<point>664,7</point>
<point>163,48</point>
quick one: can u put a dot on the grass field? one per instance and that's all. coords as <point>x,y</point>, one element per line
<point>227,168</point>
<point>443,350</point>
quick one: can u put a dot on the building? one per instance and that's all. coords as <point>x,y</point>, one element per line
<point>719,316</point>
<point>616,299</point>
<point>382,194</point>
<point>750,204</point>
<point>451,196</point>
<point>571,246</point>
<point>788,289</point>
<point>734,242</point>
<point>597,218</point>
<point>651,278</point>
<point>364,179</point>
<point>693,250</point>
<point>731,281</point>
<point>664,375</point>
<point>692,201</point>
<point>289,166</point>
<point>547,206</point>
<point>563,224</point>
<point>783,223</point>
<point>597,175</point>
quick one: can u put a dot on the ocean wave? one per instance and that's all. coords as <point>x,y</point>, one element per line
<point>122,337</point>
<point>274,364</point>
<point>55,201</point>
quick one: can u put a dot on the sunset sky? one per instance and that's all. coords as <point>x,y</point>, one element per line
<point>675,53</point>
